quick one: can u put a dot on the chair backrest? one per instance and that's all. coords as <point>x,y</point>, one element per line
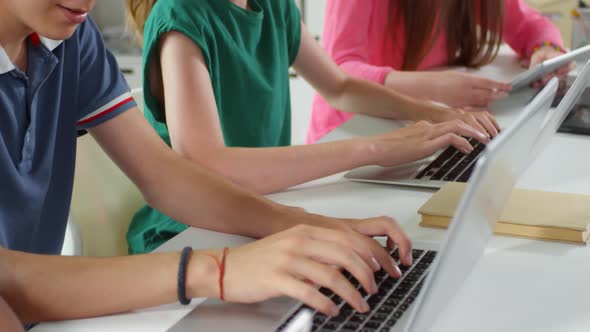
<point>72,245</point>
<point>104,199</point>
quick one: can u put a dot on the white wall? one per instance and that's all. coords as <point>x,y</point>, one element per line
<point>314,15</point>
<point>111,13</point>
<point>108,13</point>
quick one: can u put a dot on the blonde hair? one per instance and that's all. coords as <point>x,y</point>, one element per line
<point>137,14</point>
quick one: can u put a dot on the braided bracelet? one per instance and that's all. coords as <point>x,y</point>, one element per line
<point>550,44</point>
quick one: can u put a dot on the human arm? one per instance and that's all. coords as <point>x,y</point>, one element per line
<point>349,94</point>
<point>8,319</point>
<point>525,28</point>
<point>192,117</point>
<point>46,288</point>
<point>526,31</point>
<point>189,193</point>
<point>452,88</point>
<point>345,39</point>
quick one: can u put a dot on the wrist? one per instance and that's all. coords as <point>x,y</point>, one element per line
<point>372,149</point>
<point>202,278</point>
<point>440,114</point>
<point>548,46</point>
<point>409,83</point>
<point>298,216</point>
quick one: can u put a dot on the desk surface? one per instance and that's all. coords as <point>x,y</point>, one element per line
<point>519,284</point>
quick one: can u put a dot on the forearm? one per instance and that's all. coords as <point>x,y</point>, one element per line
<point>284,167</point>
<point>8,320</point>
<point>185,191</point>
<point>195,196</point>
<point>411,84</point>
<point>525,28</point>
<point>362,97</point>
<point>44,288</point>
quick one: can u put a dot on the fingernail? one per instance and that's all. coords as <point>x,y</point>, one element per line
<point>334,311</point>
<point>376,265</point>
<point>395,267</point>
<point>364,306</point>
<point>409,258</point>
<point>375,287</point>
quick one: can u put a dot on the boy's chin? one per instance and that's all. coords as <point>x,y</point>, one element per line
<point>56,29</point>
<point>59,34</point>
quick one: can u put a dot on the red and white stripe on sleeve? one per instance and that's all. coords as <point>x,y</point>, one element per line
<point>106,109</point>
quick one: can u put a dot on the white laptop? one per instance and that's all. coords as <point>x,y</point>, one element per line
<point>411,303</point>
<point>451,164</point>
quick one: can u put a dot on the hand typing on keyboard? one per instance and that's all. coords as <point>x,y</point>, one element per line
<point>387,306</point>
<point>294,261</point>
<point>480,120</point>
<point>452,165</point>
<point>423,139</point>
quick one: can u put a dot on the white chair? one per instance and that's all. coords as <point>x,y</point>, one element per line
<point>72,241</point>
<point>103,202</point>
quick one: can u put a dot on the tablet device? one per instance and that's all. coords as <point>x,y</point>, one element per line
<point>549,66</point>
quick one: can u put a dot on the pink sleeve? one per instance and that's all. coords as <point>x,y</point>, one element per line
<point>345,38</point>
<point>525,28</point>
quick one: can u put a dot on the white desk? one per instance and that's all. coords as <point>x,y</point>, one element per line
<point>519,285</point>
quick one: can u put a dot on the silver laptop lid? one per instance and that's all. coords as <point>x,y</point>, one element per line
<point>570,99</point>
<point>486,194</point>
<point>549,66</point>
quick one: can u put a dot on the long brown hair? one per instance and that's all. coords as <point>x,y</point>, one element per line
<point>473,29</point>
<point>137,14</point>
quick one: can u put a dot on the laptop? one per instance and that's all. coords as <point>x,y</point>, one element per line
<point>412,302</point>
<point>451,164</point>
<point>547,67</point>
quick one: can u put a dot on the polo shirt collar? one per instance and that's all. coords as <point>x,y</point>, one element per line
<point>6,65</point>
<point>50,43</point>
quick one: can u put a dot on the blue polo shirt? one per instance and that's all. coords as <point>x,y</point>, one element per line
<point>69,86</point>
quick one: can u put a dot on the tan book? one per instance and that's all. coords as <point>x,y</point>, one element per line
<point>529,213</point>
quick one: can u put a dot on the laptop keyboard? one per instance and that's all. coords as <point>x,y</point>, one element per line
<point>387,305</point>
<point>452,164</point>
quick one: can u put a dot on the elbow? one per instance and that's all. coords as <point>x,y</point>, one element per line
<point>337,95</point>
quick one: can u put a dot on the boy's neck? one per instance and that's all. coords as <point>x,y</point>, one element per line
<point>13,37</point>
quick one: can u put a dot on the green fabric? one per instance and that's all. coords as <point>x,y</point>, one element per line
<point>248,54</point>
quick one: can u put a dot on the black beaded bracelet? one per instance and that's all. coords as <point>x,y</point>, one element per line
<point>181,289</point>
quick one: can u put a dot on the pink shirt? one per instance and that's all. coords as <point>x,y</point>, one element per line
<point>355,37</point>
